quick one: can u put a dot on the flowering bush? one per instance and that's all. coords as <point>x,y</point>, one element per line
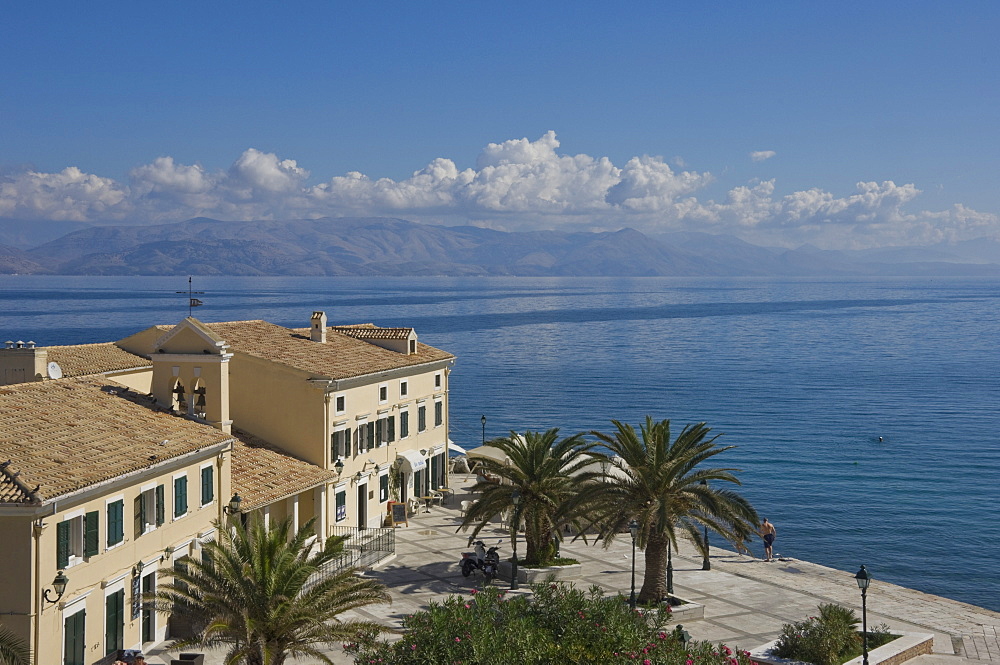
<point>560,624</point>
<point>829,639</point>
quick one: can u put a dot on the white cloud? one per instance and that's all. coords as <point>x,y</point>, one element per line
<point>516,184</point>
<point>761,155</point>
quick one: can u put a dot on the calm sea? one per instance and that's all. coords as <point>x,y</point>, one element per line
<point>803,376</point>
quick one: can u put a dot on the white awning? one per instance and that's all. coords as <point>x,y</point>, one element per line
<point>489,452</point>
<point>454,447</point>
<point>411,460</point>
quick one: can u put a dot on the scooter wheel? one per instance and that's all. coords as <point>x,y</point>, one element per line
<point>466,571</point>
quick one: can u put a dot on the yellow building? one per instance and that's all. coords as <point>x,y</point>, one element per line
<point>318,422</point>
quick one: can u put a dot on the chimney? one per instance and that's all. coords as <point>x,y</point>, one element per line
<point>317,331</point>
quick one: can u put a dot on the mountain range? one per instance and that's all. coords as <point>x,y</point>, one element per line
<point>387,246</point>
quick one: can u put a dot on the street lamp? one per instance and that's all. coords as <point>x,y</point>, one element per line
<point>705,563</point>
<point>633,528</point>
<point>515,498</point>
<point>670,571</point>
<point>234,504</point>
<point>864,578</point>
<point>59,586</point>
<point>483,421</point>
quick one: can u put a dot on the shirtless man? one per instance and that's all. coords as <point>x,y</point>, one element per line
<point>768,533</point>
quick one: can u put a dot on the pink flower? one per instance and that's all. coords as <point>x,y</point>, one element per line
<point>458,639</point>
<point>688,662</point>
<point>474,592</point>
<point>467,606</point>
<point>663,636</point>
<point>647,662</point>
<point>413,647</point>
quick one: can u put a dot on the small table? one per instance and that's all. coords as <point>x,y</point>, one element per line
<point>427,502</point>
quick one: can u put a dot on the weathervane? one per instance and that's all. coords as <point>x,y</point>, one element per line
<point>192,301</point>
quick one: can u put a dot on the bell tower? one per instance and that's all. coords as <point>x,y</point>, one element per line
<point>191,373</point>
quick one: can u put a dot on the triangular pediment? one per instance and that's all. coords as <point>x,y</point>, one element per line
<point>190,336</point>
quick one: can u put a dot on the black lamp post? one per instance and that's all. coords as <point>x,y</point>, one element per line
<point>705,563</point>
<point>864,578</point>
<point>483,421</point>
<point>515,498</point>
<point>234,504</point>
<point>670,570</point>
<point>633,528</point>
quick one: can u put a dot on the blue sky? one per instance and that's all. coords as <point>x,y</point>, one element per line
<point>601,115</point>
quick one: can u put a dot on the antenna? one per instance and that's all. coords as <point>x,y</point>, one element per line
<point>192,301</point>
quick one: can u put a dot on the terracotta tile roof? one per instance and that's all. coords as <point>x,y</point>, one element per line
<point>84,359</point>
<point>369,331</point>
<point>263,474</point>
<point>62,436</point>
<point>341,357</point>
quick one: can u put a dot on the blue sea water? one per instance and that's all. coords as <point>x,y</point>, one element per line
<point>802,376</point>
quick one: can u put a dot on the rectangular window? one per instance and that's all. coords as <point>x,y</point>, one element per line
<point>76,538</point>
<point>421,418</point>
<point>64,543</point>
<point>149,509</point>
<point>383,394</point>
<point>341,505</point>
<point>91,526</point>
<point>438,414</point>
<point>362,439</point>
<point>207,485</point>
<point>383,488</point>
<point>341,403</point>
<point>340,447</point>
<point>114,622</point>
<point>404,424</point>
<point>160,505</point>
<point>391,422</point>
<point>380,432</point>
<point>180,496</point>
<point>404,388</point>
<point>74,638</point>
<point>435,472</point>
<point>437,380</point>
<point>116,522</point>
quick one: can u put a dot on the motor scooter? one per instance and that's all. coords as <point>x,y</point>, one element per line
<point>488,561</point>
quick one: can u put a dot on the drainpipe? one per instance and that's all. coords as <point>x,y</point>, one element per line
<point>36,530</point>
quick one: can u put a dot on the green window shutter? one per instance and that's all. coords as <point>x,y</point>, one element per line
<point>371,435</point>
<point>347,442</point>
<point>422,419</point>
<point>392,428</point>
<point>139,510</point>
<point>180,496</point>
<point>114,633</point>
<point>90,533</point>
<point>383,488</point>
<point>116,522</point>
<point>438,413</point>
<point>404,424</point>
<point>159,505</point>
<point>74,636</point>
<point>207,485</point>
<point>63,530</point>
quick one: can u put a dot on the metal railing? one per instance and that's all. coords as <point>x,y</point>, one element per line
<point>363,548</point>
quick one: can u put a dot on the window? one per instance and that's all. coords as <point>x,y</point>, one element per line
<point>421,418</point>
<point>207,485</point>
<point>404,388</point>
<point>364,436</point>
<point>404,424</point>
<point>385,430</point>
<point>76,538</point>
<point>180,496</point>
<point>383,488</point>
<point>116,522</point>
<point>383,394</point>
<point>341,403</point>
<point>438,413</point>
<point>340,444</point>
<point>74,638</point>
<point>413,346</point>
<point>341,505</point>
<point>149,510</point>
<point>114,621</point>
<point>437,380</point>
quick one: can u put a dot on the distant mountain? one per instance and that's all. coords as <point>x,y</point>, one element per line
<point>27,233</point>
<point>386,246</point>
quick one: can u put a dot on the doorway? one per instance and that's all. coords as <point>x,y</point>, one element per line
<point>148,613</point>
<point>363,506</point>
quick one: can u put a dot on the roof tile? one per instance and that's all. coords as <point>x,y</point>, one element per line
<point>263,474</point>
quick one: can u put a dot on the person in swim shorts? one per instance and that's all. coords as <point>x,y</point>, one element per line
<point>768,533</point>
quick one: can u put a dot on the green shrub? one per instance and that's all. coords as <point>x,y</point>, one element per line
<point>831,638</point>
<point>559,624</point>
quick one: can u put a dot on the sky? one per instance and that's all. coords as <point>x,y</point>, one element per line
<point>841,124</point>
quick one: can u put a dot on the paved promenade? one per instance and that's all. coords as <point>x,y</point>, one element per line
<point>746,600</point>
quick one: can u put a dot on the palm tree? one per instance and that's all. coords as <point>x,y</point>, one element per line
<point>547,472</point>
<point>13,649</point>
<point>254,591</point>
<point>658,483</point>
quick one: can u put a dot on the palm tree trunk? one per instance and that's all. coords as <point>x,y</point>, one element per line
<point>654,577</point>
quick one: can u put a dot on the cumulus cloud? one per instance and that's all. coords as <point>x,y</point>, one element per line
<point>515,184</point>
<point>761,155</point>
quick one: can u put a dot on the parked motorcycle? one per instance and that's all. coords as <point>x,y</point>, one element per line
<point>487,561</point>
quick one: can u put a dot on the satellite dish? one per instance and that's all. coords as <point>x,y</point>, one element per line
<point>55,371</point>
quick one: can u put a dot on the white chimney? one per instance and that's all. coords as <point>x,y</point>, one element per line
<point>317,331</point>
